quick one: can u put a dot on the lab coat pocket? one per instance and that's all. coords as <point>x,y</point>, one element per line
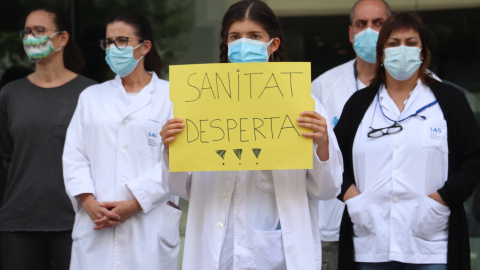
<point>268,250</point>
<point>435,134</point>
<point>431,223</point>
<point>360,216</point>
<point>168,233</point>
<point>82,225</point>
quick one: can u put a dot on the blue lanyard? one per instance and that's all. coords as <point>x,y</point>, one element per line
<point>355,73</point>
<point>415,114</point>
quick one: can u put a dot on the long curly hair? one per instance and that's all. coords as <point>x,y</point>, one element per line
<point>258,12</point>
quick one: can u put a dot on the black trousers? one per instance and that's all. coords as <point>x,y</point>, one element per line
<point>35,250</point>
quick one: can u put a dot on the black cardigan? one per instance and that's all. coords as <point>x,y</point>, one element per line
<point>463,135</point>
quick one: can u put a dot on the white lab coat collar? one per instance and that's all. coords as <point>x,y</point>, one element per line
<point>390,108</point>
<point>140,101</point>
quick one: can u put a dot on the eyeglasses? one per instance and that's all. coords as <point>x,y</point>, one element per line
<point>379,132</point>
<point>37,31</point>
<point>120,42</point>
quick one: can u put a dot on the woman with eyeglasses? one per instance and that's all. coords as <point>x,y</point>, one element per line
<point>411,149</point>
<point>36,216</point>
<point>124,218</point>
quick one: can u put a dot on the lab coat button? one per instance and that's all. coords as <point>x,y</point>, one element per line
<point>124,151</point>
<point>219,225</point>
<point>123,179</point>
<point>398,144</point>
<point>224,195</point>
<point>395,173</point>
<point>395,199</point>
<point>125,121</point>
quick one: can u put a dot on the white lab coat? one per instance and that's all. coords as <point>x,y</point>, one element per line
<point>113,149</point>
<point>333,88</point>
<point>210,195</point>
<point>393,217</point>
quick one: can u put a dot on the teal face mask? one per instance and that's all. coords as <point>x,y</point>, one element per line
<point>402,62</point>
<point>39,48</point>
<point>122,61</point>
<point>246,50</point>
<point>365,45</point>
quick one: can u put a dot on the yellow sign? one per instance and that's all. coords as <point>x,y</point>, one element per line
<point>241,116</point>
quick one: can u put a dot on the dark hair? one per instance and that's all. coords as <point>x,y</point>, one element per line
<point>72,57</point>
<point>258,12</point>
<point>398,22</point>
<point>143,29</point>
<point>388,10</point>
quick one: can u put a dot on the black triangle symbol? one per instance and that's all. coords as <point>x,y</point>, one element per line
<point>238,152</point>
<point>221,153</point>
<point>256,152</point>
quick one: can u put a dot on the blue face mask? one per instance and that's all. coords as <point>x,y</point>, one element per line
<point>402,62</point>
<point>246,50</point>
<point>122,61</point>
<point>365,45</point>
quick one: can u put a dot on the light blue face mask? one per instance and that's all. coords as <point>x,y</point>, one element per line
<point>365,45</point>
<point>122,61</point>
<point>246,50</point>
<point>402,62</point>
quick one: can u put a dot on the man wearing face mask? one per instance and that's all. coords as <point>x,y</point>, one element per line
<point>334,87</point>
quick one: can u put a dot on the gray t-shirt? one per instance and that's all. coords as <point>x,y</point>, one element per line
<point>33,125</point>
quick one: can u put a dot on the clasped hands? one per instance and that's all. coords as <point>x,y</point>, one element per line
<point>108,214</point>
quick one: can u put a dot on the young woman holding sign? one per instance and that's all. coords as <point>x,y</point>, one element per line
<point>256,219</point>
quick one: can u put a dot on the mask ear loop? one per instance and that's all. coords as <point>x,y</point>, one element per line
<point>136,47</point>
<point>270,55</point>
<point>59,48</point>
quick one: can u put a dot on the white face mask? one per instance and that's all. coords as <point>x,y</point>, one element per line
<point>402,62</point>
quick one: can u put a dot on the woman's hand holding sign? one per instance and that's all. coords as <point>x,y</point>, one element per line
<point>314,121</point>
<point>170,129</point>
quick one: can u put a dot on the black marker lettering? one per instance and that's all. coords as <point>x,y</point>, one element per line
<point>250,75</point>
<point>223,132</point>
<point>242,130</point>
<point>217,78</point>
<point>209,85</point>
<point>283,126</point>
<point>291,87</point>
<point>255,128</point>
<point>271,123</point>
<point>201,131</point>
<point>275,86</point>
<point>228,127</point>
<point>199,93</point>
<point>188,131</point>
